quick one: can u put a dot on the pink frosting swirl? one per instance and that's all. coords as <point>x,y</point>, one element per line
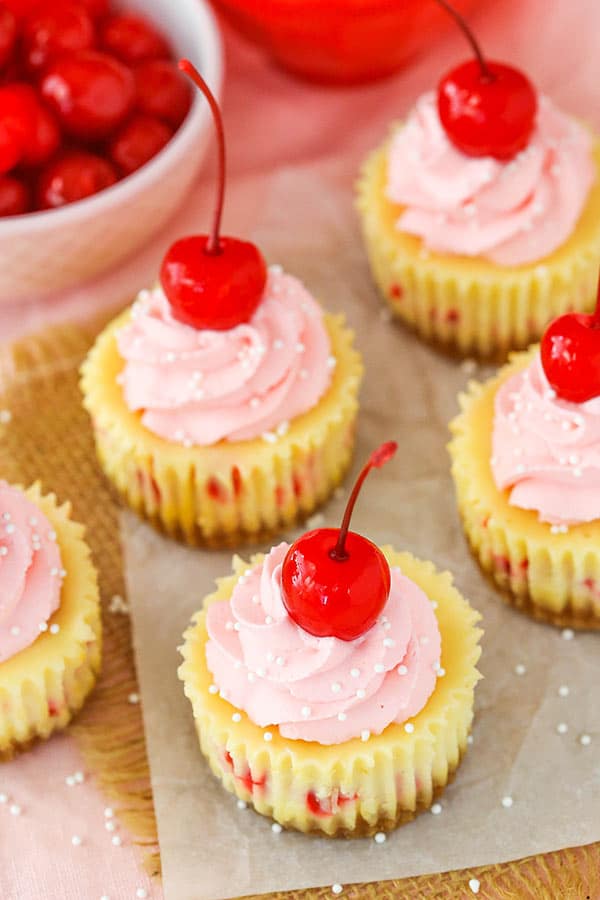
<point>30,571</point>
<point>546,451</point>
<point>321,689</point>
<point>510,213</point>
<point>200,387</point>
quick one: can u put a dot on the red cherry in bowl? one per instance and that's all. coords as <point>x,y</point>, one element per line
<point>15,124</point>
<point>14,196</point>
<point>335,582</point>
<point>47,33</point>
<point>8,35</point>
<point>73,176</point>
<point>162,91</point>
<point>141,138</point>
<point>211,281</point>
<point>42,136</point>
<point>132,39</point>
<point>90,92</point>
<point>570,353</point>
<point>486,108</point>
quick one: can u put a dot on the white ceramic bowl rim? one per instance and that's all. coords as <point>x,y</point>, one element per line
<point>211,66</point>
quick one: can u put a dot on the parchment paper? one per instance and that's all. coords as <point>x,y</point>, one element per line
<point>210,848</point>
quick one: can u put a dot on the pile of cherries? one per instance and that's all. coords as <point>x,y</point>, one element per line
<point>87,96</point>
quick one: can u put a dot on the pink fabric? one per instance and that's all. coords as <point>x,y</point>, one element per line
<point>271,120</point>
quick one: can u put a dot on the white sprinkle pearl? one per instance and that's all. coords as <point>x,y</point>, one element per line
<point>355,673</point>
<point>76,840</point>
<point>134,699</point>
<point>402,670</point>
<point>567,634</point>
<point>507,802</point>
<point>213,689</point>
<point>3,797</point>
<point>365,735</point>
<point>241,804</point>
<point>142,893</point>
<point>336,687</point>
<point>379,668</point>
<point>361,694</point>
<point>409,728</point>
<point>110,825</point>
<point>336,888</point>
<point>585,740</point>
<point>306,711</point>
<point>279,661</point>
<point>563,691</point>
<point>562,727</point>
<point>389,642</point>
<point>5,416</point>
<point>276,828</point>
<point>116,841</point>
<point>474,885</point>
<point>267,736</point>
<point>520,669</point>
<point>380,837</point>
<point>342,717</point>
<point>54,629</point>
<point>268,620</point>
<point>436,809</point>
<point>108,812</point>
<point>236,717</point>
<point>3,551</point>
<point>15,809</point>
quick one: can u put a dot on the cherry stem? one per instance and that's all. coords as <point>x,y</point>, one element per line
<point>213,246</point>
<point>461,22</point>
<point>377,459</point>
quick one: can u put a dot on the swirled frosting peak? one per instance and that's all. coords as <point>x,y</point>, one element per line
<point>199,387</point>
<point>30,571</point>
<point>546,451</point>
<point>511,213</point>
<point>321,689</point>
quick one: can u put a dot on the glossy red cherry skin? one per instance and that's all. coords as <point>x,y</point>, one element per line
<point>329,598</point>
<point>22,8</point>
<point>42,136</point>
<point>215,291</point>
<point>73,176</point>
<point>14,196</point>
<point>47,33</point>
<point>90,92</point>
<point>141,138</point>
<point>8,35</point>
<point>570,353</point>
<point>15,124</point>
<point>132,39</point>
<point>162,91</point>
<point>487,116</point>
<point>96,8</point>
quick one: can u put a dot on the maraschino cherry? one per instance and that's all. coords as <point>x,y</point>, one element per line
<point>570,353</point>
<point>486,108</point>
<point>211,281</point>
<point>336,582</point>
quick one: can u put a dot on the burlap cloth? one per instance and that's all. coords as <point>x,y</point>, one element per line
<point>48,437</point>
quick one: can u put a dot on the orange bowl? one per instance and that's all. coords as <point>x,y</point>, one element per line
<point>340,41</point>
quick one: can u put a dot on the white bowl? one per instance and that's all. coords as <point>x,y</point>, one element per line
<point>46,252</point>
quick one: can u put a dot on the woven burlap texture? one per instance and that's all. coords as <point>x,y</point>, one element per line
<point>45,434</point>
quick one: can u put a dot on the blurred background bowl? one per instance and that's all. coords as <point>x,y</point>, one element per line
<point>46,252</point>
<point>340,41</point>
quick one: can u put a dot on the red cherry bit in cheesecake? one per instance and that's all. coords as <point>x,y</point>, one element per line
<point>335,582</point>
<point>570,353</point>
<point>486,108</point>
<point>212,281</point>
